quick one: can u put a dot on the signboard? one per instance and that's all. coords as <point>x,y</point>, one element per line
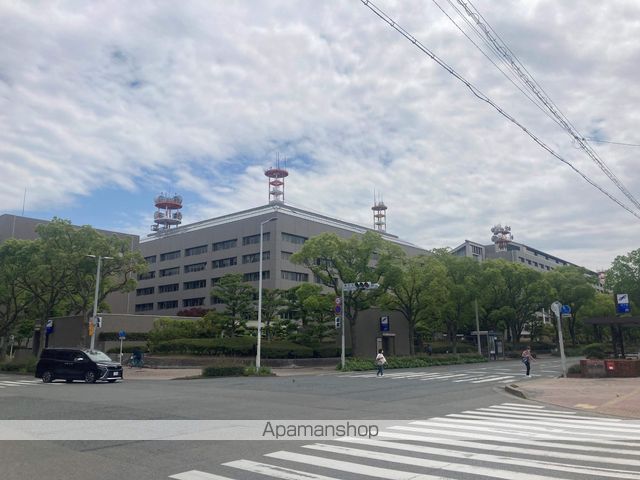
<point>555,308</point>
<point>122,335</point>
<point>384,324</point>
<point>338,321</point>
<point>622,303</point>
<point>338,301</point>
<point>565,311</point>
<point>338,309</point>
<point>49,327</point>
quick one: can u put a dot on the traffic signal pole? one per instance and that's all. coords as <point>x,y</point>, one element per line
<point>342,355</point>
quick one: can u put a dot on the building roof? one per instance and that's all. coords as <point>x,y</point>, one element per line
<point>274,208</point>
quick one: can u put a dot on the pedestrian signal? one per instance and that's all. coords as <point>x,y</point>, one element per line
<point>338,321</point>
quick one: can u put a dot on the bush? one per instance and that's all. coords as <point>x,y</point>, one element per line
<point>447,348</point>
<point>594,350</point>
<point>328,350</point>
<point>283,349</point>
<point>26,366</point>
<point>113,336</point>
<point>243,346</point>
<point>261,372</point>
<point>359,364</point>
<point>129,349</point>
<point>223,371</point>
<point>575,368</point>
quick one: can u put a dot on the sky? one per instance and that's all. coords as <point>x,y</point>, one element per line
<point>104,105</point>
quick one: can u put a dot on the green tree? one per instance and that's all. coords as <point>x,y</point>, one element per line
<point>601,305</point>
<point>336,261</point>
<point>238,298</point>
<point>624,276</point>
<point>313,309</point>
<point>414,287</point>
<point>574,287</point>
<point>273,303</point>
<point>14,300</point>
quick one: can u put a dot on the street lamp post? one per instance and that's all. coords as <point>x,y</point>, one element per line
<point>95,299</point>
<point>272,219</point>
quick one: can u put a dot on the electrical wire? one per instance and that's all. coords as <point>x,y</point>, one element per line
<point>612,143</point>
<point>480,95</point>
<point>518,68</point>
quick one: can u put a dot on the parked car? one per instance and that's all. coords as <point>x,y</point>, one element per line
<point>75,364</point>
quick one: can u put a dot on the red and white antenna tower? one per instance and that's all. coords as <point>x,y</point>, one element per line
<point>501,237</point>
<point>167,215</point>
<point>276,178</point>
<point>379,214</point>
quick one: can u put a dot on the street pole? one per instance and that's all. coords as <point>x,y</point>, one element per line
<point>259,340</point>
<point>342,355</point>
<point>556,307</point>
<point>95,305</point>
<point>478,327</point>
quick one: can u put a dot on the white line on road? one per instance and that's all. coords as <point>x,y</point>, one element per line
<point>275,471</point>
<point>198,475</point>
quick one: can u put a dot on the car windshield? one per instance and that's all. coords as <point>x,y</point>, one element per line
<point>97,356</point>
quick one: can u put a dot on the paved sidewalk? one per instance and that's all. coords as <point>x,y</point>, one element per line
<point>607,396</point>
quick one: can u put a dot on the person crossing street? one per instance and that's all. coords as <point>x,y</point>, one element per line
<point>527,358</point>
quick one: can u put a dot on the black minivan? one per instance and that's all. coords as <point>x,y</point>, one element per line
<point>74,364</point>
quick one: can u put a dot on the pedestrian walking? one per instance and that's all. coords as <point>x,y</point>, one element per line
<point>380,361</point>
<point>527,358</point>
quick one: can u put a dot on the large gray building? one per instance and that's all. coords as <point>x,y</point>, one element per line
<point>186,262</point>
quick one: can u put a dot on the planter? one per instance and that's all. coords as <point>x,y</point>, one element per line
<point>622,368</point>
<point>593,368</point>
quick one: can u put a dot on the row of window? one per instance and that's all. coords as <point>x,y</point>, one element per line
<point>225,245</point>
<point>194,284</point>
<point>535,264</point>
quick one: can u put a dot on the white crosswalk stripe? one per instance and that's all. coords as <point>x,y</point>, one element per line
<point>8,382</point>
<point>506,441</point>
<point>476,376</point>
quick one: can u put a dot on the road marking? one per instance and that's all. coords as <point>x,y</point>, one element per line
<point>198,475</point>
<point>492,379</point>
<point>274,471</point>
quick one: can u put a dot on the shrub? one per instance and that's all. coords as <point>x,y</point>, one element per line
<point>207,346</point>
<point>594,350</point>
<point>223,371</point>
<point>261,372</point>
<point>26,366</point>
<point>113,336</point>
<point>129,349</point>
<point>283,349</point>
<point>328,350</point>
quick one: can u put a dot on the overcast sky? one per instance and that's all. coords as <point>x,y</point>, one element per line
<point>103,105</point>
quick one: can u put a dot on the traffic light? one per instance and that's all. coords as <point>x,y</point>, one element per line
<point>92,329</point>
<point>98,322</point>
<point>338,321</point>
<point>365,285</point>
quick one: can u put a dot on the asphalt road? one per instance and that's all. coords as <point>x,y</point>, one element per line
<point>441,422</point>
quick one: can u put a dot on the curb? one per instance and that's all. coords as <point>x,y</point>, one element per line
<point>514,390</point>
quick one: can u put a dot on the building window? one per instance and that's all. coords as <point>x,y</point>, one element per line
<point>171,287</point>
<point>145,291</point>
<point>216,300</point>
<point>529,261</point>
<point>146,276</point>
<point>295,276</point>
<point>150,259</point>
<point>194,284</point>
<point>169,255</point>
<point>521,259</point>
<point>286,256</point>
<point>196,250</point>
<point>251,239</point>
<point>297,239</point>
<point>254,276</point>
<point>168,304</point>
<point>224,262</point>
<point>225,245</point>
<point>167,272</point>
<point>475,249</point>
<point>193,302</point>
<point>144,307</point>
<point>255,257</point>
<point>215,280</point>
<point>195,267</point>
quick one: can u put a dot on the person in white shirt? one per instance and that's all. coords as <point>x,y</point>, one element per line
<point>527,358</point>
<point>380,361</point>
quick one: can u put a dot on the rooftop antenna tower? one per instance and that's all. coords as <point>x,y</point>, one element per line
<point>276,178</point>
<point>501,237</point>
<point>167,214</point>
<point>379,214</point>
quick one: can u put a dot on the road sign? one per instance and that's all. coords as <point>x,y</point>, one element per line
<point>49,327</point>
<point>384,324</point>
<point>555,308</point>
<point>338,321</point>
<point>338,301</point>
<point>622,303</point>
<point>338,309</point>
<point>98,322</point>
<point>122,335</point>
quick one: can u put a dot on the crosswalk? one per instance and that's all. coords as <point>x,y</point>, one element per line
<point>9,382</point>
<point>474,376</point>
<point>506,441</point>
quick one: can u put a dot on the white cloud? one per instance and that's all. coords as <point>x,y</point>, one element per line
<point>199,97</point>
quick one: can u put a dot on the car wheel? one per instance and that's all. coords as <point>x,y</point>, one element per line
<point>90,377</point>
<point>111,381</point>
<point>47,377</point>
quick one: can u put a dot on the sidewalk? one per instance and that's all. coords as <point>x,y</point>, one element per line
<point>607,396</point>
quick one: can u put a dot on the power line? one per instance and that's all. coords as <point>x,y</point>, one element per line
<point>478,93</point>
<point>612,143</point>
<point>539,92</point>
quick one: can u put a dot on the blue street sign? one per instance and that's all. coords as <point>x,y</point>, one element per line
<point>49,327</point>
<point>384,324</point>
<point>622,303</point>
<point>338,309</point>
<point>566,310</point>
<point>122,334</point>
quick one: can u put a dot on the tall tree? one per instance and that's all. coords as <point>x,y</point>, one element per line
<point>273,302</point>
<point>336,261</point>
<point>624,276</point>
<point>238,298</point>
<point>413,286</point>
<point>574,287</point>
<point>313,309</point>
<point>601,305</point>
<point>14,301</point>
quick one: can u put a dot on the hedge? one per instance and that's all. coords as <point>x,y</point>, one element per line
<point>594,350</point>
<point>28,366</point>
<point>129,349</point>
<point>224,371</point>
<point>113,336</point>
<point>359,364</point>
<point>282,349</point>
<point>243,346</point>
